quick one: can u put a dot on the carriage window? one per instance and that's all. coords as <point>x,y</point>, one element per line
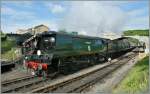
<point>48,42</point>
<point>98,42</point>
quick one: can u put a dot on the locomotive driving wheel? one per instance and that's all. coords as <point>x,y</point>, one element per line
<point>100,58</point>
<point>63,67</point>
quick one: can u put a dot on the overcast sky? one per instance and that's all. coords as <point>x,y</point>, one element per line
<point>89,17</point>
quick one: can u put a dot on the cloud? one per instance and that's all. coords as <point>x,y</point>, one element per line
<point>137,23</point>
<point>25,4</point>
<point>7,11</point>
<point>13,19</point>
<point>137,19</point>
<point>17,15</point>
<point>12,26</point>
<point>138,12</point>
<point>57,9</point>
<point>54,7</point>
<point>93,18</point>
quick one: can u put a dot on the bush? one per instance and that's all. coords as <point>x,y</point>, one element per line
<point>136,32</point>
<point>7,45</point>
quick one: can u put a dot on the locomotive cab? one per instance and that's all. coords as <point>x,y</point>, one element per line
<point>42,43</point>
<point>47,42</point>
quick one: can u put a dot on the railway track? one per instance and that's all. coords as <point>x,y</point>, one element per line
<point>33,84</point>
<point>24,84</point>
<point>12,81</point>
<point>98,76</point>
<point>79,83</point>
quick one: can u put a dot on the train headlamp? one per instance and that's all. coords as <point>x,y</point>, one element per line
<point>109,59</point>
<point>38,52</point>
<point>52,39</point>
<point>26,57</point>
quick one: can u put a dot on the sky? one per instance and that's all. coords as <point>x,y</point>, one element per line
<point>85,17</point>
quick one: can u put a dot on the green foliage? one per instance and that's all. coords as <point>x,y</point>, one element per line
<point>1,33</point>
<point>136,32</point>
<point>3,36</point>
<point>137,79</point>
<point>9,55</point>
<point>7,45</point>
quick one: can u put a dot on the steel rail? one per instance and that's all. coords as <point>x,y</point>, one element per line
<point>92,82</point>
<point>53,87</point>
<point>25,84</point>
<point>8,82</point>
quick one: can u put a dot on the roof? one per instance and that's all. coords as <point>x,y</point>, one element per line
<point>58,33</point>
<point>75,36</point>
<point>121,38</point>
<point>40,26</point>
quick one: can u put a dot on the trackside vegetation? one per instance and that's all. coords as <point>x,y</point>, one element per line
<point>136,32</point>
<point>7,45</point>
<point>137,79</point>
<point>9,55</point>
<point>7,49</point>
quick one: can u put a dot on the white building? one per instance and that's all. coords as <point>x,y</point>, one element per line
<point>37,29</point>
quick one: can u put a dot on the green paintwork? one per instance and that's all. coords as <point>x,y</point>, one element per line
<point>74,45</point>
<point>70,45</point>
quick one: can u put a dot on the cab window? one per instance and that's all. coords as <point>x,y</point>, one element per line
<point>48,42</point>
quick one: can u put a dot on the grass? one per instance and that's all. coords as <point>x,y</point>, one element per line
<point>136,32</point>
<point>137,79</point>
<point>9,55</point>
<point>7,45</point>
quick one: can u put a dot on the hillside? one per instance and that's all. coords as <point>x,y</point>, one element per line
<point>136,32</point>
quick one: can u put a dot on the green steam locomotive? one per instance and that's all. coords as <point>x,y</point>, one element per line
<point>52,51</point>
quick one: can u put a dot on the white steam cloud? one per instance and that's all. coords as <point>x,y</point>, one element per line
<point>94,18</point>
